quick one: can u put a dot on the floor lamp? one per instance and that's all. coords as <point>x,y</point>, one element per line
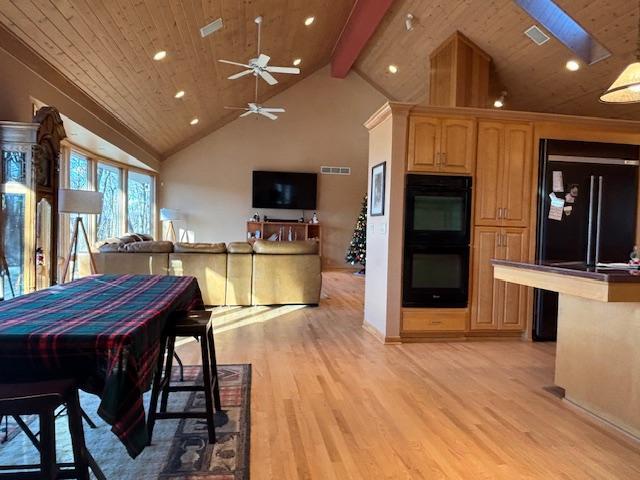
<point>169,215</point>
<point>78,202</point>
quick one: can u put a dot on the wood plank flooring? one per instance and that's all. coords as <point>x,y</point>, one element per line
<point>331,402</point>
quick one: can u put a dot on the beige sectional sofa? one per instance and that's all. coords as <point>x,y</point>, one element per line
<point>265,273</point>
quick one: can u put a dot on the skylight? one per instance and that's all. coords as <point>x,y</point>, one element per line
<point>565,29</point>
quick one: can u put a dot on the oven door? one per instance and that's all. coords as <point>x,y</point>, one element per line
<point>436,277</point>
<point>439,216</point>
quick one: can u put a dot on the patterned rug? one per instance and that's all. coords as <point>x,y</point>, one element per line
<point>179,451</point>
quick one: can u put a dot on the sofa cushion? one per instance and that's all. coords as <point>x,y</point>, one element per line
<point>239,247</point>
<point>199,248</point>
<point>149,247</point>
<point>109,248</point>
<point>299,247</point>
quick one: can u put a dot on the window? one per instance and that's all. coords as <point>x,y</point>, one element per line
<point>139,203</point>
<point>79,179</point>
<point>109,183</point>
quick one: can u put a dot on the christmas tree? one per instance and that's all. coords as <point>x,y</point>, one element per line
<point>357,251</point>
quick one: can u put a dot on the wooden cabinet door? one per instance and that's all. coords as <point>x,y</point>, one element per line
<point>458,145</point>
<point>512,310</point>
<point>489,175</point>
<point>424,144</point>
<point>486,294</point>
<point>517,172</point>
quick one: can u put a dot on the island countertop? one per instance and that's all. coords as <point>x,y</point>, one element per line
<point>578,269</point>
<point>604,285</point>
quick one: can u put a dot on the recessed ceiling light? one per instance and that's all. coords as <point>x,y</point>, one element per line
<point>160,55</point>
<point>194,121</point>
<point>572,65</point>
<point>179,94</point>
<point>309,20</point>
<point>297,62</point>
<point>393,68</point>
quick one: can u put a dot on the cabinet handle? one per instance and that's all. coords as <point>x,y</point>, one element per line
<point>499,240</point>
<point>505,213</point>
<point>498,213</point>
<point>438,158</point>
<point>444,158</point>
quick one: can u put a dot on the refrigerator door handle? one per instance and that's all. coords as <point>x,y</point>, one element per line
<point>590,225</point>
<point>599,219</point>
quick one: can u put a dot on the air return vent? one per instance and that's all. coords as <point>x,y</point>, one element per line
<point>335,170</point>
<point>210,28</point>
<point>537,35</point>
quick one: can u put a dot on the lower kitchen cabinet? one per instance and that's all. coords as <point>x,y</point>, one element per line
<point>496,305</point>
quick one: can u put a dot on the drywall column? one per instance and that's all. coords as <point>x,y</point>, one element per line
<point>383,282</point>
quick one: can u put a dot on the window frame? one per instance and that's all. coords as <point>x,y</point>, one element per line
<point>124,169</point>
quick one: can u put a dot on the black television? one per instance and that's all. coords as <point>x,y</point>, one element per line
<point>290,190</point>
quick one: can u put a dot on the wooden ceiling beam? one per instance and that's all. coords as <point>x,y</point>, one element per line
<point>363,21</point>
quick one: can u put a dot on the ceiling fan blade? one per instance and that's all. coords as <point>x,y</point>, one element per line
<point>268,77</point>
<point>249,112</point>
<point>235,63</point>
<point>282,70</point>
<point>236,108</point>
<point>273,110</point>
<point>268,115</point>
<point>253,105</point>
<point>263,60</point>
<point>241,74</point>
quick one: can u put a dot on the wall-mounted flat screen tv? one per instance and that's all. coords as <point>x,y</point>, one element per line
<point>295,191</point>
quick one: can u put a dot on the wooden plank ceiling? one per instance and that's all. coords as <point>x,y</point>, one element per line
<point>534,76</point>
<point>105,47</point>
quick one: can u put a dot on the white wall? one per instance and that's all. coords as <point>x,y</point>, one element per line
<point>210,180</point>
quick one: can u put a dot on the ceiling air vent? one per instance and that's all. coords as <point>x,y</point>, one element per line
<point>537,35</point>
<point>335,170</point>
<point>210,28</point>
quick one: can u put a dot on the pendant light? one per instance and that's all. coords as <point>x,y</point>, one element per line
<point>626,88</point>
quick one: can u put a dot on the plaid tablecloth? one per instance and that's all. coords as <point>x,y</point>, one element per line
<point>105,331</point>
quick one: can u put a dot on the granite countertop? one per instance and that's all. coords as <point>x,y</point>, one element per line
<point>577,269</point>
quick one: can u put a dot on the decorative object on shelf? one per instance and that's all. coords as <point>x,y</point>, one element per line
<point>169,215</point>
<point>256,217</point>
<point>314,218</point>
<point>79,202</point>
<point>626,87</point>
<point>378,184</point>
<point>357,251</point>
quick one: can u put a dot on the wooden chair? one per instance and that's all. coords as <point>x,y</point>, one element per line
<point>42,399</point>
<point>196,324</point>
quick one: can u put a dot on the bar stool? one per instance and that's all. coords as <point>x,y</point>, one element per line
<point>196,324</point>
<point>42,399</point>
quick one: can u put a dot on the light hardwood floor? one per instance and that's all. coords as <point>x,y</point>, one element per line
<point>331,402</point>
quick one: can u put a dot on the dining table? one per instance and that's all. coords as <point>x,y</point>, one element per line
<point>103,331</point>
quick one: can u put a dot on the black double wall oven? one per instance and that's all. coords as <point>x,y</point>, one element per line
<point>436,241</point>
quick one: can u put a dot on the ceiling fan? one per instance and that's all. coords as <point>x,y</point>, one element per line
<point>258,109</point>
<point>259,66</point>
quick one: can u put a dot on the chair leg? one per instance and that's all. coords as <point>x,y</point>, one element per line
<point>214,371</point>
<point>155,389</point>
<point>77,436</point>
<point>167,373</point>
<point>48,465</point>
<point>206,372</point>
<point>175,355</point>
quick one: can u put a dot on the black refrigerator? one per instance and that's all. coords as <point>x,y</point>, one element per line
<point>588,196</point>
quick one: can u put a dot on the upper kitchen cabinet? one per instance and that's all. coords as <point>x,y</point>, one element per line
<point>503,177</point>
<point>442,144</point>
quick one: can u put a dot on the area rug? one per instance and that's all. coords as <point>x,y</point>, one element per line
<point>179,450</point>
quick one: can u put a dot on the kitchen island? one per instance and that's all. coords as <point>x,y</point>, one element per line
<point>598,343</point>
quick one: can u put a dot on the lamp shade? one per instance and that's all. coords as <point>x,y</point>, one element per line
<point>168,215</point>
<point>626,88</point>
<point>79,201</point>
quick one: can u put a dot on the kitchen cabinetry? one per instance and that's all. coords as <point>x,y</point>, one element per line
<point>496,305</point>
<point>503,178</point>
<point>442,145</point>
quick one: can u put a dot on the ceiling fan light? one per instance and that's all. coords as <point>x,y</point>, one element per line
<point>626,88</point>
<point>297,62</point>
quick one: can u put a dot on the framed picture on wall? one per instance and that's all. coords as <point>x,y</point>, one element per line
<point>378,180</point>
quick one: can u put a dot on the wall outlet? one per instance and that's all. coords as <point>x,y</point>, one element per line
<point>383,228</point>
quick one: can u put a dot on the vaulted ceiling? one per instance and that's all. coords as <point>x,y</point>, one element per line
<point>534,76</point>
<point>105,47</point>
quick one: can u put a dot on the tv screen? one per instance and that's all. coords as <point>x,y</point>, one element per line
<point>296,191</point>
